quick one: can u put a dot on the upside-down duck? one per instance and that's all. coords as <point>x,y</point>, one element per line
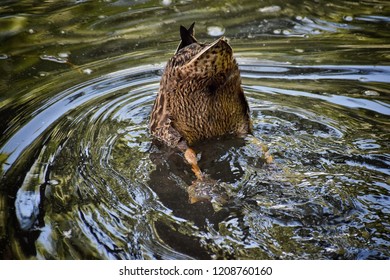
<point>200,98</point>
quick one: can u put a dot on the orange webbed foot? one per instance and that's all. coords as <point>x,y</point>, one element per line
<point>204,188</point>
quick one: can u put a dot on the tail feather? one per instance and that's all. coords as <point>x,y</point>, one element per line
<point>187,36</point>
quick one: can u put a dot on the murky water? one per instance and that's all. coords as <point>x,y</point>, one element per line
<point>81,179</point>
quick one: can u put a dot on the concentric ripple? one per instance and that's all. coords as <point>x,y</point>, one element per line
<point>98,187</point>
<point>81,177</point>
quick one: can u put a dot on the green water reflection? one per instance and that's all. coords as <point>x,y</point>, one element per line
<point>81,178</point>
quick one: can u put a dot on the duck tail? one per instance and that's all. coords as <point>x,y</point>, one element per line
<point>187,36</point>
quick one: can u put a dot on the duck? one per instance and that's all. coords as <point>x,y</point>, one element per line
<point>200,97</point>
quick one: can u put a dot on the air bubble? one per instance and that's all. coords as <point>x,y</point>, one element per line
<point>215,31</point>
<point>87,71</point>
<point>348,18</point>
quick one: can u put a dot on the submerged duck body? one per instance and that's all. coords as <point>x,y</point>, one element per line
<point>200,95</point>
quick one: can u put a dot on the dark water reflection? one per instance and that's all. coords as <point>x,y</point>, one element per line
<point>81,178</point>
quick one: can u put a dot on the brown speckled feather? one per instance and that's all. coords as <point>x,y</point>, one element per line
<point>200,94</point>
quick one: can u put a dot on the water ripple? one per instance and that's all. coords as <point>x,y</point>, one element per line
<point>82,178</point>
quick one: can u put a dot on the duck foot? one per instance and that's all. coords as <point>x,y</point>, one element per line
<point>208,190</point>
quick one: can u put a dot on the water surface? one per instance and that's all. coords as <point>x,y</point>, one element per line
<point>81,178</point>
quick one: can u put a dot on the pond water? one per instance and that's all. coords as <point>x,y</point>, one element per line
<point>81,178</point>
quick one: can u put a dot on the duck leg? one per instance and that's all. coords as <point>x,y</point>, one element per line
<point>207,189</point>
<point>203,188</point>
<point>190,157</point>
